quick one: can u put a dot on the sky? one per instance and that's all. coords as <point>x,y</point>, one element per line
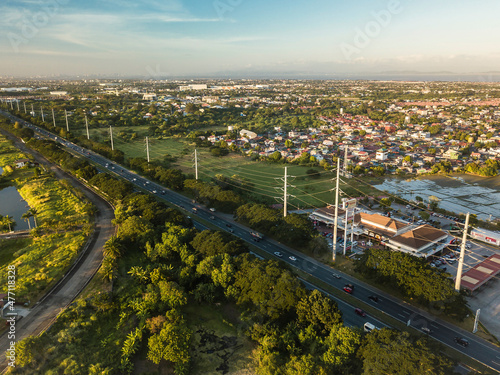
<point>248,38</point>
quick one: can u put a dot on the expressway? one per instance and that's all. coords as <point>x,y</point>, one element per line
<point>444,332</point>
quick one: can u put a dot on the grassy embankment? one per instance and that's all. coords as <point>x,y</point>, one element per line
<point>63,226</point>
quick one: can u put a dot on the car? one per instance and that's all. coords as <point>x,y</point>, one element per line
<point>360,312</point>
<point>154,191</point>
<point>373,298</point>
<point>228,225</point>
<point>337,276</point>
<point>426,330</point>
<point>348,288</point>
<point>212,209</point>
<point>468,246</point>
<point>292,258</point>
<point>134,179</point>
<point>163,192</point>
<point>212,217</point>
<point>256,239</point>
<point>231,230</point>
<point>278,254</point>
<point>461,341</point>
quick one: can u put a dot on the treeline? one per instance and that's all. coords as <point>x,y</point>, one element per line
<point>160,268</point>
<point>170,177</point>
<point>415,279</point>
<point>293,229</point>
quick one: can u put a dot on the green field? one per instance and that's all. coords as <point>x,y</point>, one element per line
<point>263,180</point>
<point>63,226</point>
<point>8,153</point>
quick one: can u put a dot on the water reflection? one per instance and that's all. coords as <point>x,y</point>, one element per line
<point>457,194</point>
<point>13,205</point>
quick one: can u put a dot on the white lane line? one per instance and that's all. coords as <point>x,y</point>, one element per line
<point>402,315</point>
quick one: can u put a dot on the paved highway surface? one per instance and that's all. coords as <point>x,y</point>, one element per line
<point>442,331</point>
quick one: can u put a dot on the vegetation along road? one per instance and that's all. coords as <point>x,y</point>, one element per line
<point>479,349</point>
<point>44,313</point>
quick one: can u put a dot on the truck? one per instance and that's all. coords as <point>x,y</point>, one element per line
<point>493,238</point>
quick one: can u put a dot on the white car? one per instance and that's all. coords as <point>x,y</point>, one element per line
<point>278,254</point>
<point>292,258</point>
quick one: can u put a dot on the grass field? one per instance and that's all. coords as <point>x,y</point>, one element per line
<point>63,224</point>
<point>8,153</point>
<point>264,180</point>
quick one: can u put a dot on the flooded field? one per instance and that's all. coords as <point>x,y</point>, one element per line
<point>457,193</point>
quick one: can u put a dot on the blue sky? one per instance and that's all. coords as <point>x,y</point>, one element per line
<point>223,37</point>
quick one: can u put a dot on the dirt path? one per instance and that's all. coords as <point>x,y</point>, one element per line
<point>44,312</point>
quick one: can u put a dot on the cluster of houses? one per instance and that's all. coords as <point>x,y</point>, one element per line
<point>375,143</point>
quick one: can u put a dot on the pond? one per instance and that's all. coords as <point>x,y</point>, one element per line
<point>13,205</point>
<point>457,193</point>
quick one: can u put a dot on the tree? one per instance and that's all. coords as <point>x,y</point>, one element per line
<point>390,352</point>
<point>342,344</point>
<point>26,217</point>
<point>172,343</point>
<point>424,215</point>
<point>8,221</point>
<point>319,311</point>
<point>386,202</point>
<point>112,248</point>
<point>275,156</point>
<point>288,143</point>
<point>33,211</point>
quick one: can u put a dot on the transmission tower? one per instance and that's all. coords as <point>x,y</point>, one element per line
<point>285,191</point>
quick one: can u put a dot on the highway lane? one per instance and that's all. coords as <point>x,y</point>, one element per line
<point>440,330</point>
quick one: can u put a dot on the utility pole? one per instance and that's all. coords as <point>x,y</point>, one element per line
<point>335,226</point>
<point>147,147</point>
<point>87,126</point>
<point>53,118</point>
<point>67,123</point>
<point>196,164</point>
<point>111,136</point>
<point>462,255</point>
<point>43,117</point>
<point>345,229</point>
<point>345,162</point>
<point>285,196</point>
<point>285,191</point>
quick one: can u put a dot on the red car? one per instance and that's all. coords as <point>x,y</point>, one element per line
<point>359,312</point>
<point>349,288</point>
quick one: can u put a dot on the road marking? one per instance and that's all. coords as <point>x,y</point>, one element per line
<point>402,315</point>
